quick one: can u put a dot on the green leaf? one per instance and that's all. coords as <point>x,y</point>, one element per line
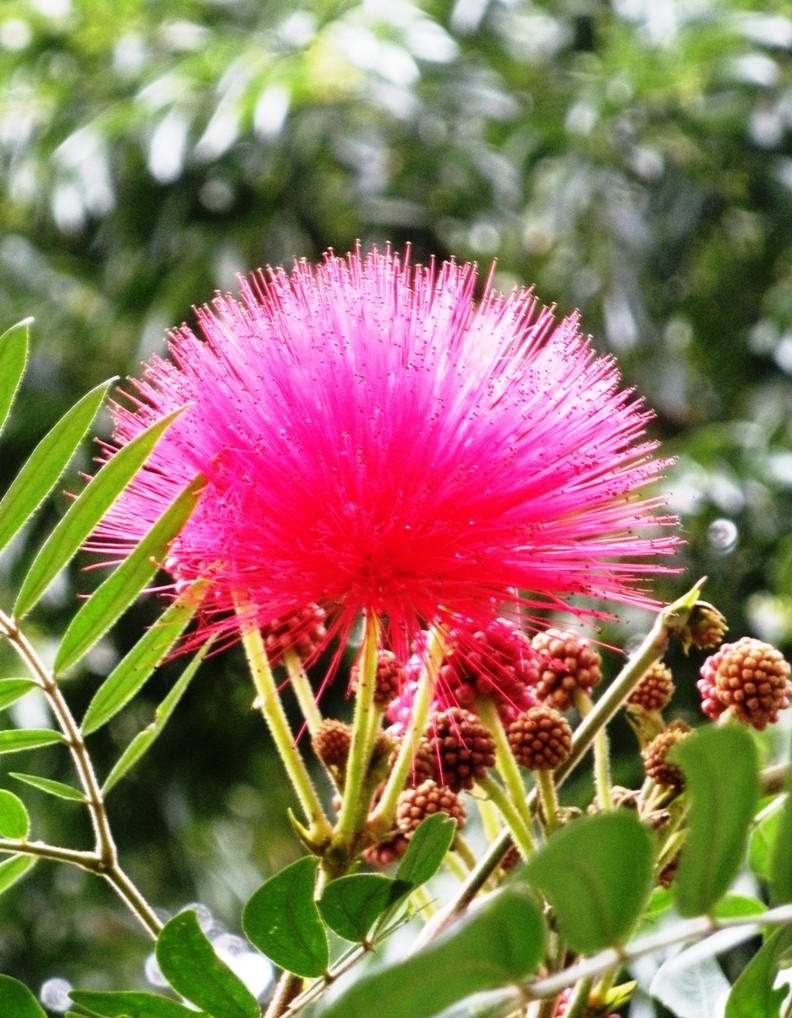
<point>722,788</point>
<point>498,943</point>
<point>17,739</point>
<point>85,512</point>
<point>12,690</point>
<point>736,906</point>
<point>13,357</point>
<point>135,668</point>
<point>14,869</point>
<point>760,844</point>
<point>188,962</point>
<point>753,993</point>
<point>56,788</point>
<point>117,592</point>
<point>426,849</point>
<point>281,919</point>
<point>46,463</point>
<point>131,1004</point>
<point>16,1000</point>
<point>596,873</point>
<point>351,905</point>
<point>780,861</point>
<point>14,819</point>
<point>144,740</point>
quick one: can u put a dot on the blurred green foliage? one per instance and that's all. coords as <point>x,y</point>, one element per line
<point>632,159</point>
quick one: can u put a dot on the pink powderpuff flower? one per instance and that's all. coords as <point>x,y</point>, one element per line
<point>375,441</point>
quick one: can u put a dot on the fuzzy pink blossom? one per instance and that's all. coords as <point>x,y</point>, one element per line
<point>373,440</point>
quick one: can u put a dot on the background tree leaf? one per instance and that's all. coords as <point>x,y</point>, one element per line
<point>351,904</point>
<point>282,920</point>
<point>14,819</point>
<point>16,1000</point>
<point>13,357</point>
<point>596,874</point>
<point>694,988</point>
<point>189,963</point>
<point>722,788</point>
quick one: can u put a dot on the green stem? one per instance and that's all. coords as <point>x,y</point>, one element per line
<point>547,793</point>
<point>602,776</point>
<point>504,759</point>
<point>303,690</point>
<point>520,831</point>
<point>269,703</point>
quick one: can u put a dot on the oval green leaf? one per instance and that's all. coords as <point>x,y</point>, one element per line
<point>137,666</point>
<point>781,856</point>
<point>46,463</point>
<point>352,904</point>
<point>499,943</point>
<point>14,869</point>
<point>17,739</point>
<point>426,849</point>
<point>14,819</point>
<point>188,962</point>
<point>114,596</point>
<point>596,873</point>
<point>282,920</point>
<point>752,993</point>
<point>131,1004</point>
<point>13,357</point>
<point>16,1000</point>
<point>85,512</point>
<point>12,690</point>
<point>721,771</point>
<point>52,787</point>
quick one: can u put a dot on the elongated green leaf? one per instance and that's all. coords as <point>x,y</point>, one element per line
<point>12,690</point>
<point>85,512</point>
<point>753,994</point>
<point>780,861</point>
<point>17,739</point>
<point>46,463</point>
<point>135,668</point>
<point>426,849</point>
<point>188,962</point>
<point>16,1000</point>
<point>130,1004</point>
<point>118,591</point>
<point>144,740</point>
<point>14,869</point>
<point>281,919</point>
<point>499,943</point>
<point>14,819</point>
<point>351,905</point>
<point>722,787</point>
<point>52,787</point>
<point>760,844</point>
<point>13,357</point>
<point>596,873</point>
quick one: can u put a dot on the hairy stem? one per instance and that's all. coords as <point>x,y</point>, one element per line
<point>303,691</point>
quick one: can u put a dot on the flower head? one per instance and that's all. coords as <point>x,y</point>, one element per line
<point>374,440</point>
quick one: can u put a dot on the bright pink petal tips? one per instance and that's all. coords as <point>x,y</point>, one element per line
<point>373,440</point>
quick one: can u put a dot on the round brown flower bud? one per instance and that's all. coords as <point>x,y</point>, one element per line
<point>302,631</point>
<point>654,690</point>
<point>749,677</point>
<point>654,756</point>
<point>704,628</point>
<point>386,852</point>
<point>415,804</point>
<point>460,747</point>
<point>540,738</point>
<point>566,662</point>
<point>389,680</point>
<point>331,742</point>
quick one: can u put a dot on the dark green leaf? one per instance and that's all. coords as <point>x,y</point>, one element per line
<point>753,994</point>
<point>722,787</point>
<point>188,962</point>
<point>596,873</point>
<point>12,690</point>
<point>85,512</point>
<point>14,869</point>
<point>16,1000</point>
<point>17,739</point>
<point>499,943</point>
<point>143,741</point>
<point>13,356</point>
<point>49,785</point>
<point>760,844</point>
<point>135,668</point>
<point>426,849</point>
<point>117,592</point>
<point>351,905</point>
<point>14,820</point>
<point>781,858</point>
<point>282,920</point>
<point>129,1004</point>
<point>46,463</point>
